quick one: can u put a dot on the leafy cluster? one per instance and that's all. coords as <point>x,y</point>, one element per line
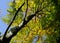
<point>45,25</point>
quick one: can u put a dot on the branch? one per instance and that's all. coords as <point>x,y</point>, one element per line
<point>26,8</point>
<point>12,20</point>
<point>25,13</point>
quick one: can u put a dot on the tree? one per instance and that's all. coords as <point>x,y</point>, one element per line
<point>32,19</point>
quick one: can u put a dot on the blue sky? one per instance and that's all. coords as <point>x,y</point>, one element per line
<point>3,12</point>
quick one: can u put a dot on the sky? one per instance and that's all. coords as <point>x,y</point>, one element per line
<point>3,11</point>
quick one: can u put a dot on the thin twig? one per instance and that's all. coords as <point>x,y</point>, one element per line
<point>26,10</point>
<point>27,7</point>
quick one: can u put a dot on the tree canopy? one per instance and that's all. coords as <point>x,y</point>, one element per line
<point>36,21</point>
